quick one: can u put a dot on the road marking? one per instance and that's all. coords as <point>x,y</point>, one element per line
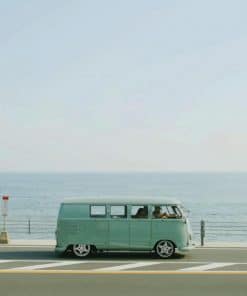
<point>207,266</point>
<point>118,266</point>
<point>48,265</point>
<point>123,272</point>
<point>113,261</point>
<point>127,266</point>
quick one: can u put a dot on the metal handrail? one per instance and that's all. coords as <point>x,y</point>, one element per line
<point>202,230</point>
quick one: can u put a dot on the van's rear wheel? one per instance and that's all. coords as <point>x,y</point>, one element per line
<point>164,249</point>
<point>81,250</point>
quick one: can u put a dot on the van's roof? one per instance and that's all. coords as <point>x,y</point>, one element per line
<point>122,200</point>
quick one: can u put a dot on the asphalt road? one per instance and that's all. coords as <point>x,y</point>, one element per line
<point>37,271</point>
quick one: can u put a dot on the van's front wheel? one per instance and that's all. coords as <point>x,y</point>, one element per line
<point>164,249</point>
<point>81,250</point>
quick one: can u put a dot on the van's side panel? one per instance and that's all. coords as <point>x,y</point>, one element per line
<point>119,234</point>
<point>140,234</point>
<point>169,229</point>
<point>97,231</point>
<point>83,231</point>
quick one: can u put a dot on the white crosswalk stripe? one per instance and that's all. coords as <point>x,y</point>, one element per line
<point>113,265</point>
<point>6,261</point>
<point>207,266</point>
<point>127,266</point>
<point>48,265</point>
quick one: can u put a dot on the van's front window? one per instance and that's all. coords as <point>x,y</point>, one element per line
<point>174,211</point>
<point>165,211</point>
<point>184,212</point>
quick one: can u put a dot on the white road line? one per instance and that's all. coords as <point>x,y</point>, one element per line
<point>48,265</point>
<point>207,266</point>
<point>110,261</point>
<point>127,266</point>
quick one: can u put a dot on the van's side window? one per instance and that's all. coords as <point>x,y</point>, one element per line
<point>98,211</point>
<point>159,211</point>
<point>139,212</point>
<point>118,211</point>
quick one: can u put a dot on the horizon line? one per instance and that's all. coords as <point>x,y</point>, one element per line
<point>122,172</point>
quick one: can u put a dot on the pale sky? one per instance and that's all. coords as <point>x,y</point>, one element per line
<point>123,85</point>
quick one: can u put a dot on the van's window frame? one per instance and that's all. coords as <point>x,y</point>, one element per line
<point>117,216</point>
<point>177,212</point>
<point>139,205</point>
<point>98,216</point>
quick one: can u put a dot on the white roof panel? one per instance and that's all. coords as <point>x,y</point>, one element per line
<point>122,200</point>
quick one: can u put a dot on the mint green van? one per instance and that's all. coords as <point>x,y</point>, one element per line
<point>91,224</point>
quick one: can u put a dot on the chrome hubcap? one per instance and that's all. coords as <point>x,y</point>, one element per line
<point>165,249</point>
<point>81,250</point>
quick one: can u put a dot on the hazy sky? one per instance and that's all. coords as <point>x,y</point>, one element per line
<point>123,85</point>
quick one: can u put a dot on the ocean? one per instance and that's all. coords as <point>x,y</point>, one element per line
<point>218,198</point>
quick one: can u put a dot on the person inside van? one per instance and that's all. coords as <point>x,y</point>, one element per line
<point>157,214</point>
<point>142,213</point>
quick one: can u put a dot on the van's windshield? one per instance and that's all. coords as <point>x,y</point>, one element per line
<point>184,211</point>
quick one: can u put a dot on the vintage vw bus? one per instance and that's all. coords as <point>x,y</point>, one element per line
<point>86,225</point>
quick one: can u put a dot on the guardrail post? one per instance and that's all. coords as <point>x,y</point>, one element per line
<point>29,226</point>
<point>202,232</point>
